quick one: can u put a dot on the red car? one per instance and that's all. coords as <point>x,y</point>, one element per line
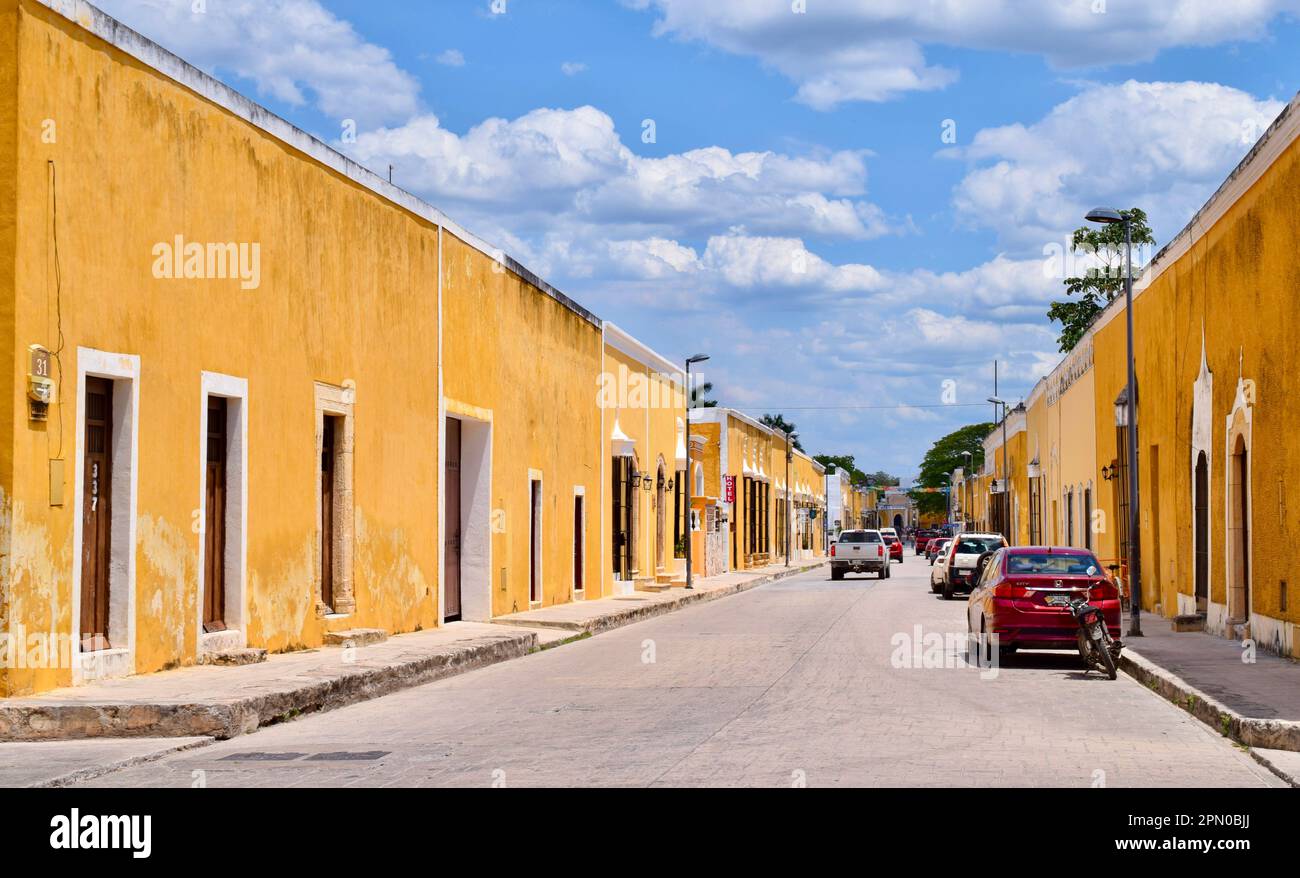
<point>895,547</point>
<point>923,538</point>
<point>1023,597</point>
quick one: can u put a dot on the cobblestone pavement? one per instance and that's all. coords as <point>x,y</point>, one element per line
<point>795,682</point>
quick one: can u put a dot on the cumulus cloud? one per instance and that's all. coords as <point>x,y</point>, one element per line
<point>295,51</point>
<point>1161,146</point>
<point>848,50</point>
<point>570,165</point>
<point>451,58</point>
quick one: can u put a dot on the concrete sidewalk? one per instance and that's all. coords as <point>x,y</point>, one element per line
<point>1257,702</point>
<point>224,702</point>
<point>593,617</point>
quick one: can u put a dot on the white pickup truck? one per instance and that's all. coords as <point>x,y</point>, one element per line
<point>860,551</point>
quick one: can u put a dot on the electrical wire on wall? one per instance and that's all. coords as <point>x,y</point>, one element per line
<point>57,353</point>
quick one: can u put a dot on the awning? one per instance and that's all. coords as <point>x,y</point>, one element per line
<point>621,444</point>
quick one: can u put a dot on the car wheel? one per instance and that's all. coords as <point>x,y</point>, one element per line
<point>934,589</point>
<point>986,645</point>
<point>837,575</point>
<point>947,590</point>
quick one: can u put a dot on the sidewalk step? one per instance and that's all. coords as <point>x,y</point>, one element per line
<point>1193,622</point>
<point>226,703</point>
<point>234,657</point>
<point>356,637</point>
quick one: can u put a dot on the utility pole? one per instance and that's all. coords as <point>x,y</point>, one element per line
<point>789,509</point>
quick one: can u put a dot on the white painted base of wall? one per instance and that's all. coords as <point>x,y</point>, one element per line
<point>1271,635</point>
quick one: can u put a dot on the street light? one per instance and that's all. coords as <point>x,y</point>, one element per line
<point>1004,519</point>
<point>690,479</point>
<point>1108,216</point>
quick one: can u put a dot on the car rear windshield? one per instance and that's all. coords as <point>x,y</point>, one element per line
<point>978,547</point>
<point>859,536</point>
<point>1054,564</point>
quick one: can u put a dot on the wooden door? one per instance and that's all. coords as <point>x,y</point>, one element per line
<point>97,514</point>
<point>327,523</point>
<point>624,496</point>
<point>1202,533</point>
<point>578,583</point>
<point>535,544</point>
<point>451,524</point>
<point>214,537</point>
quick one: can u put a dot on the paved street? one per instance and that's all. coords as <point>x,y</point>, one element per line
<point>790,683</point>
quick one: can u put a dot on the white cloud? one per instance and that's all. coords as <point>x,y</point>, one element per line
<point>295,52</point>
<point>573,68</point>
<point>555,166</point>
<point>849,50</point>
<point>451,58</point>
<point>1161,146</point>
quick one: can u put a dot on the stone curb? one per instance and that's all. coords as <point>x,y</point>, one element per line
<point>1290,779</point>
<point>619,618</point>
<point>240,715</point>
<point>1269,734</point>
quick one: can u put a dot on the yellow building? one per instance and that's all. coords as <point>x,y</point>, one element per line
<point>646,485</point>
<point>522,497</point>
<point>1215,323</point>
<point>225,458</point>
<point>1006,511</point>
<point>288,402</point>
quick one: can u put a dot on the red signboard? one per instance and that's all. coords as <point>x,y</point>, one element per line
<point>731,489</point>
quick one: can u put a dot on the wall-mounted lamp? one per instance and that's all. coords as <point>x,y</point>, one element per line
<point>647,483</point>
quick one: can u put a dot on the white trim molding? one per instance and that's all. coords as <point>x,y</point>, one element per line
<point>124,371</point>
<point>235,391</point>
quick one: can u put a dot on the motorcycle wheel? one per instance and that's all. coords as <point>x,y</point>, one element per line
<point>1107,661</point>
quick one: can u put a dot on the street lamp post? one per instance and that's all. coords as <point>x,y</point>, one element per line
<point>1107,216</point>
<point>690,478</point>
<point>789,509</point>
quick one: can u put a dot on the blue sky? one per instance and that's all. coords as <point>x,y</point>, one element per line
<point>798,215</point>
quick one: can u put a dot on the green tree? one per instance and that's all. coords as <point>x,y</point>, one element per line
<point>944,457</point>
<point>1099,286</point>
<point>857,477</point>
<point>700,395</point>
<point>882,479</point>
<point>781,425</point>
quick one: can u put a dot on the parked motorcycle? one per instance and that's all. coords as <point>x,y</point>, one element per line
<point>1096,646</point>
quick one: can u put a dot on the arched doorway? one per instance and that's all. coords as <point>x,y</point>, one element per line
<point>1201,491</point>
<point>1238,531</point>
<point>898,524</point>
<point>660,516</point>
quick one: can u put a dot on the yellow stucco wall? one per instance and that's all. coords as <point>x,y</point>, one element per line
<point>9,356</point>
<point>132,143</point>
<point>532,363</point>
<point>650,407</point>
<point>1236,288</point>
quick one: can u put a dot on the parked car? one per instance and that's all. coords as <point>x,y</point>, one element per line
<point>1024,598</point>
<point>895,547</point>
<point>935,547</point>
<point>963,564</point>
<point>859,551</point>
<point>939,567</point>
